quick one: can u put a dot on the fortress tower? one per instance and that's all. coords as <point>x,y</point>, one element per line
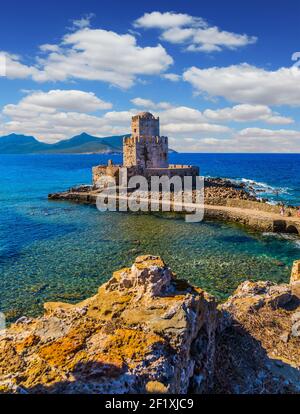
<point>145,153</point>
<point>145,148</point>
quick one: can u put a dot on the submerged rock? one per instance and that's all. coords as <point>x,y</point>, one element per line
<point>148,331</point>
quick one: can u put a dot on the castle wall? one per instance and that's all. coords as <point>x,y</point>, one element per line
<point>179,170</point>
<point>147,152</point>
<point>103,170</point>
<point>114,170</point>
<point>146,125</point>
<point>144,153</point>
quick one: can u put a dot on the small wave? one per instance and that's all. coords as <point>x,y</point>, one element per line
<point>262,190</point>
<point>264,187</point>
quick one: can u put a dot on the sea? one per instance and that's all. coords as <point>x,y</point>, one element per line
<point>59,251</point>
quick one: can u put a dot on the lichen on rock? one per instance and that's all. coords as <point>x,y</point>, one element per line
<point>135,335</point>
<point>148,331</point>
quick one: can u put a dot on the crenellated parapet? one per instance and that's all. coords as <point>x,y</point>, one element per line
<point>145,153</point>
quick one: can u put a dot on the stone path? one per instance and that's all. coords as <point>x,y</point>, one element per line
<point>257,219</point>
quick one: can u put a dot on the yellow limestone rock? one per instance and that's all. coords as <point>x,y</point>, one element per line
<point>295,276</point>
<point>135,335</point>
<point>295,279</point>
<point>148,331</point>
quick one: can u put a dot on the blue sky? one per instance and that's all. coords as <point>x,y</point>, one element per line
<point>219,74</point>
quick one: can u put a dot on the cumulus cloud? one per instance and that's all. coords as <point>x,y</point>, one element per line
<point>247,113</point>
<point>60,114</point>
<point>247,84</point>
<point>93,54</point>
<point>83,22</point>
<point>253,140</point>
<point>175,121</point>
<point>96,54</point>
<point>15,69</point>
<point>47,47</point>
<point>67,100</point>
<point>173,77</point>
<point>269,133</point>
<point>56,115</point>
<point>148,104</point>
<point>165,20</point>
<point>193,32</point>
<point>267,140</point>
<point>182,120</point>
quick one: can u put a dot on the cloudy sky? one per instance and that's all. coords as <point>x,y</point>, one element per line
<point>220,75</point>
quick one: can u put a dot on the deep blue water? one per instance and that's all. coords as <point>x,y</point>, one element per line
<point>61,251</point>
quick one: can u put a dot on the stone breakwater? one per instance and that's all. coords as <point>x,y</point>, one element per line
<point>148,331</point>
<point>223,200</point>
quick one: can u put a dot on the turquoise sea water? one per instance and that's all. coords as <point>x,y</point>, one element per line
<point>57,251</point>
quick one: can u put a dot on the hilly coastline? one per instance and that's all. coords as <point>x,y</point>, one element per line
<point>79,144</point>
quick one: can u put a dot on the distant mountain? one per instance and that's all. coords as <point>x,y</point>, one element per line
<point>20,144</point>
<point>80,144</point>
<point>85,143</point>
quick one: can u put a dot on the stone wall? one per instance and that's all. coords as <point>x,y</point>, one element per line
<point>146,151</point>
<point>145,124</point>
<point>100,171</point>
<point>260,206</point>
<point>145,147</point>
<point>114,171</point>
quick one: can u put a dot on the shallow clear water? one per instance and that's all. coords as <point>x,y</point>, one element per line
<point>53,251</point>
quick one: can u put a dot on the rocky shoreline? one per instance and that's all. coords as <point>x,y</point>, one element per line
<point>148,331</point>
<point>224,200</point>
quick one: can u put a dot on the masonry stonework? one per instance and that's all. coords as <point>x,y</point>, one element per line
<point>145,153</point>
<point>145,147</point>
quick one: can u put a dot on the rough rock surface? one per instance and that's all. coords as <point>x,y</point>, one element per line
<point>295,276</point>
<point>144,331</point>
<point>258,344</point>
<point>295,279</point>
<point>147,331</point>
<point>222,189</point>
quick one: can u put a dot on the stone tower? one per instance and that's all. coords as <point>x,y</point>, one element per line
<point>145,148</point>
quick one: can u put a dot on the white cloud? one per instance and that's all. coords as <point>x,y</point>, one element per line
<point>83,21</point>
<point>255,140</point>
<point>173,77</point>
<point>93,54</point>
<point>47,47</point>
<point>96,54</point>
<point>194,32</point>
<point>15,69</point>
<point>165,20</point>
<point>66,100</point>
<point>188,128</point>
<point>248,84</point>
<point>280,134</point>
<point>147,103</point>
<point>247,113</point>
<point>182,120</point>
<point>57,114</point>
<point>182,114</point>
<point>267,140</point>
<point>120,117</point>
